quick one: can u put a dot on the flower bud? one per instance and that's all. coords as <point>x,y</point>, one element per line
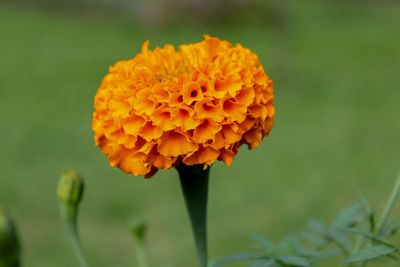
<point>9,245</point>
<point>70,188</point>
<point>138,228</point>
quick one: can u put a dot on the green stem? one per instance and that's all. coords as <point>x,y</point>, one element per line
<point>141,254</point>
<point>194,183</point>
<point>69,218</point>
<point>389,206</point>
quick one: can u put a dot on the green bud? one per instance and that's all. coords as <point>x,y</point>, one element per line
<point>9,245</point>
<point>70,188</point>
<point>138,228</point>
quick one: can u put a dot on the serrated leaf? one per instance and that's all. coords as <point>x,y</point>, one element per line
<point>341,239</point>
<point>390,229</point>
<point>327,254</point>
<point>294,261</point>
<point>262,263</point>
<point>317,226</point>
<point>264,243</point>
<point>348,216</point>
<point>369,253</point>
<point>302,250</point>
<point>368,235</point>
<point>240,257</point>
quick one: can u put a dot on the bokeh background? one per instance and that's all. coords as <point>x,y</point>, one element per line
<point>335,66</point>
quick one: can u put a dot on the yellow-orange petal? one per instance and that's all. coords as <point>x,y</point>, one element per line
<point>175,99</point>
<point>150,131</point>
<point>202,156</point>
<point>209,108</point>
<point>258,111</point>
<point>227,156</point>
<point>183,118</point>
<point>160,161</point>
<point>205,85</point>
<point>253,138</point>
<point>133,124</point>
<point>227,85</point>
<point>246,96</point>
<point>218,142</point>
<point>144,103</point>
<point>260,77</point>
<point>211,46</point>
<point>206,131</point>
<point>135,164</point>
<point>232,133</point>
<point>162,117</point>
<point>118,108</point>
<point>191,93</point>
<point>248,123</point>
<point>233,110</point>
<point>173,144</point>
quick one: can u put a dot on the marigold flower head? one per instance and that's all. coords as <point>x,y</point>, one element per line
<point>192,106</point>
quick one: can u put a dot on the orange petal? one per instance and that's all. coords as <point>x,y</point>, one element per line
<point>160,161</point>
<point>233,110</point>
<point>246,96</point>
<point>174,144</point>
<point>183,117</point>
<point>162,118</point>
<point>150,131</point>
<point>268,126</point>
<point>230,84</point>
<point>227,156</point>
<point>192,92</point>
<point>175,99</point>
<point>205,155</point>
<point>248,123</point>
<point>133,124</point>
<point>231,133</point>
<point>218,142</point>
<point>143,102</point>
<point>258,111</point>
<point>211,46</point>
<point>118,108</point>
<point>253,138</point>
<point>205,85</point>
<point>260,77</point>
<point>206,131</point>
<point>134,164</point>
<point>152,172</point>
<point>208,108</point>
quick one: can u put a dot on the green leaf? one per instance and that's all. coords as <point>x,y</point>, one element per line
<point>327,254</point>
<point>240,257</point>
<point>368,235</point>
<point>264,243</point>
<point>390,229</point>
<point>370,253</point>
<point>317,226</point>
<point>348,216</point>
<point>341,239</point>
<point>293,261</point>
<point>262,263</point>
<point>303,250</point>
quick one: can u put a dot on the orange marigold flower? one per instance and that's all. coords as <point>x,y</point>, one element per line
<point>192,106</point>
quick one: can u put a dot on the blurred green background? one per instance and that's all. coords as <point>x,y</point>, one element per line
<point>335,66</point>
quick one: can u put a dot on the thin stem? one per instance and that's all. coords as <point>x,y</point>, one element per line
<point>141,254</point>
<point>194,183</point>
<point>389,206</point>
<point>69,218</point>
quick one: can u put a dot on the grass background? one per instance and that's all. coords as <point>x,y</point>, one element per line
<point>335,68</point>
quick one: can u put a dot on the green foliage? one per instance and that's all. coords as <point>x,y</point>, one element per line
<point>352,234</point>
<point>370,253</point>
